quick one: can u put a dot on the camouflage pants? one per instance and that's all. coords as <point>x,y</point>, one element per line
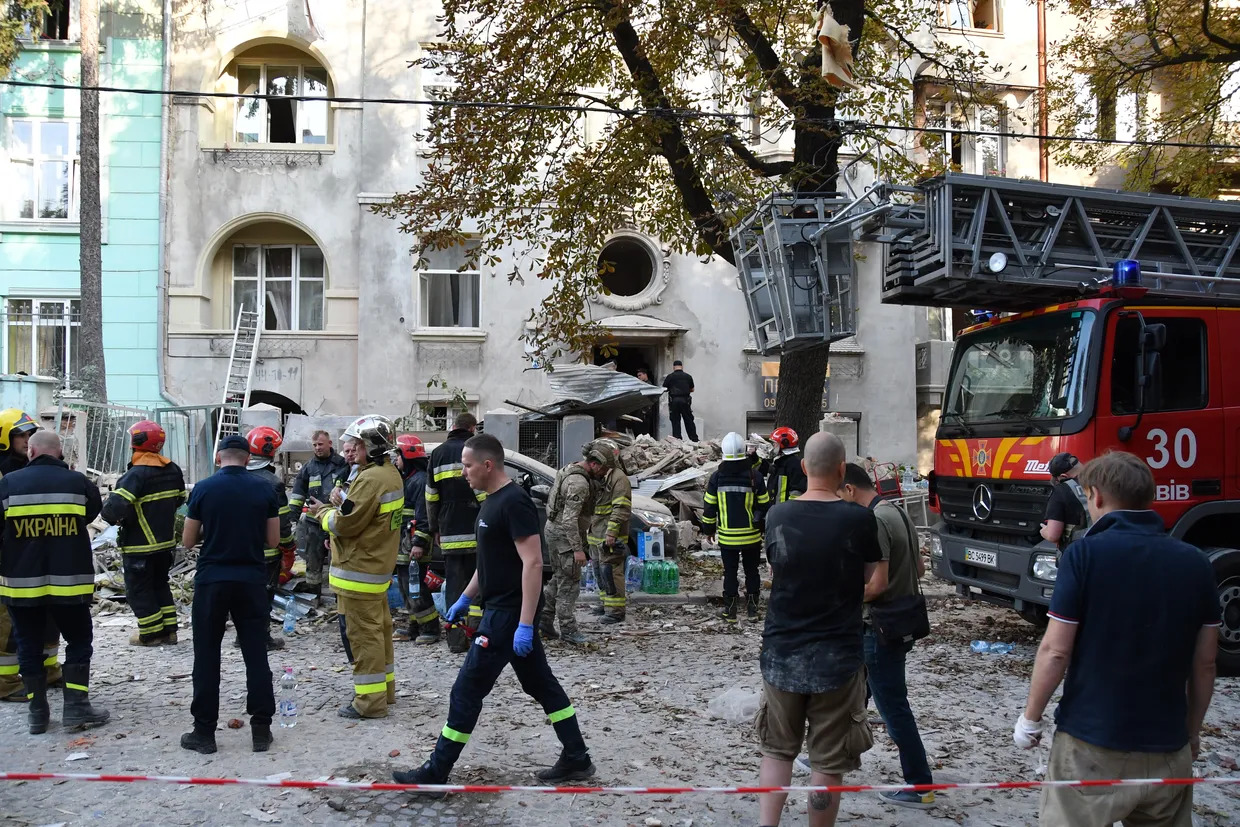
<point>563,588</point>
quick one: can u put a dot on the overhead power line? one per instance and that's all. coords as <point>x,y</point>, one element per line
<point>845,124</point>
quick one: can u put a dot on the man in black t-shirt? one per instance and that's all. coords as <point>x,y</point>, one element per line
<point>1065,509</point>
<point>822,552</point>
<point>680,400</point>
<point>508,585</point>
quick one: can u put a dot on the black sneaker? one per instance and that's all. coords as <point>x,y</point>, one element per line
<point>261,737</point>
<point>567,769</point>
<point>422,775</point>
<point>196,741</point>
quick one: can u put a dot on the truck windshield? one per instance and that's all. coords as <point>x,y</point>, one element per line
<point>1020,371</point>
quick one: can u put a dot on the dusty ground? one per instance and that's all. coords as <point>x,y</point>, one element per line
<point>642,694</point>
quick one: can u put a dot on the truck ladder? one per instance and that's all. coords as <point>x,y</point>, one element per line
<point>240,372</point>
<point>1056,241</point>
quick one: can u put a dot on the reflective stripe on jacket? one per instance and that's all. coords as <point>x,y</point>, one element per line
<point>46,555</point>
<point>613,508</point>
<point>144,506</point>
<point>316,480</point>
<point>736,503</point>
<point>787,480</point>
<point>286,512</point>
<point>365,532</point>
<point>451,505</point>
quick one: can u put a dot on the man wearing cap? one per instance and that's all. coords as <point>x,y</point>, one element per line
<point>236,515</point>
<point>1066,515</point>
<point>144,504</point>
<point>680,400</point>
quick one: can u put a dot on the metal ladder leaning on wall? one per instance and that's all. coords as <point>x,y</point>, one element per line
<point>240,372</point>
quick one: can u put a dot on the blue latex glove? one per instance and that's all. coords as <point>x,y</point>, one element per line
<point>523,643</point>
<point>459,609</point>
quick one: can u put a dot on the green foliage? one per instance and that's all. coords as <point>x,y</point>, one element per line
<point>1181,60</point>
<point>17,19</point>
<point>545,188</point>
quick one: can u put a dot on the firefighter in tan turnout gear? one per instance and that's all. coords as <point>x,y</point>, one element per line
<point>609,529</point>
<point>365,537</point>
<point>569,509</point>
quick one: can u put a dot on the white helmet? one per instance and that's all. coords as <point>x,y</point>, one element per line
<point>733,446</point>
<point>375,432</point>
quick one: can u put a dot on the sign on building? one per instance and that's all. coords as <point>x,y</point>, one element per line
<point>770,386</point>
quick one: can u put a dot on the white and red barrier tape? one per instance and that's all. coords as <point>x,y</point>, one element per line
<point>506,788</point>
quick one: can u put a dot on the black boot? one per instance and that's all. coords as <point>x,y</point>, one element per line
<point>260,735</point>
<point>568,769</point>
<point>78,711</point>
<point>729,609</point>
<point>200,740</point>
<point>547,631</point>
<point>751,607</point>
<point>36,694</point>
<point>424,774</point>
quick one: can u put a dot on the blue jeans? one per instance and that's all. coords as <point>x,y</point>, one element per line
<point>885,668</point>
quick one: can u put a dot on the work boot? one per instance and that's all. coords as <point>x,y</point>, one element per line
<point>77,710</point>
<point>575,638</point>
<point>427,636</point>
<point>17,696</point>
<point>568,769</point>
<point>199,741</point>
<point>170,638</point>
<point>729,609</point>
<point>608,620</point>
<point>751,607</point>
<point>260,735</point>
<point>599,610</point>
<point>547,631</point>
<point>350,711</point>
<point>424,774</point>
<point>136,640</point>
<point>274,642</point>
<point>40,712</point>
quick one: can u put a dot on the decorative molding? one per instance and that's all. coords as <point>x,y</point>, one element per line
<point>268,156</point>
<point>370,198</point>
<point>36,227</point>
<point>448,335</point>
<point>185,100</point>
<point>660,275</point>
<point>339,106</point>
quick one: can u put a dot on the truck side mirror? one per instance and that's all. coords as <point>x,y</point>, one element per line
<point>1151,339</point>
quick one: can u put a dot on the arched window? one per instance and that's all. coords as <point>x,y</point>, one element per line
<point>277,264</point>
<point>286,72</point>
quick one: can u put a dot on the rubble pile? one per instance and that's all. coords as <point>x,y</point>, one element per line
<point>647,458</point>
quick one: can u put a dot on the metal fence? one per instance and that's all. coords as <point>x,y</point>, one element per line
<point>191,436</point>
<point>540,439</point>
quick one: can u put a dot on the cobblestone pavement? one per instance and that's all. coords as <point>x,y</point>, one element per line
<point>642,694</point>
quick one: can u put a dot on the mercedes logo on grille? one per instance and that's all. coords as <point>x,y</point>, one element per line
<point>983,502</point>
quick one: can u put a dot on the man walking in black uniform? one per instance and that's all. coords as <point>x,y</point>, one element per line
<point>680,400</point>
<point>508,584</point>
<point>47,569</point>
<point>236,516</point>
<point>451,509</point>
<point>144,504</point>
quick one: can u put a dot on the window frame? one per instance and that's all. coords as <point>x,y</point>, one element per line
<point>67,319</point>
<point>36,158</point>
<point>943,115</point>
<point>1203,329</point>
<point>294,280</point>
<point>944,21</point>
<point>421,285</point>
<point>265,135</point>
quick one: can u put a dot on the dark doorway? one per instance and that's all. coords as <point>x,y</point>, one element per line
<point>275,400</point>
<point>630,359</point>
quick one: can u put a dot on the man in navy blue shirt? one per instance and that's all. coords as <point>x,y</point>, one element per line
<point>1134,621</point>
<point>236,516</point>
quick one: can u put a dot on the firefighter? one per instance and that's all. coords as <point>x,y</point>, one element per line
<point>787,479</point>
<point>144,504</point>
<point>264,443</point>
<point>315,481</point>
<point>736,503</point>
<point>15,429</point>
<point>365,537</point>
<point>569,507</point>
<point>609,529</point>
<point>47,569</point>
<point>415,541</point>
<point>451,510</point>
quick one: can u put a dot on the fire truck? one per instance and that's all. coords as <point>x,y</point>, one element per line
<point>1110,320</point>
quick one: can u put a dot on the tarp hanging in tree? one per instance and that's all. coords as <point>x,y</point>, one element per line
<point>837,55</point>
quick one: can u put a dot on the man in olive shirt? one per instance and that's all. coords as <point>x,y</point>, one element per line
<point>896,576</point>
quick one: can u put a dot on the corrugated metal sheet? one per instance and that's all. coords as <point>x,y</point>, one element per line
<point>598,390</point>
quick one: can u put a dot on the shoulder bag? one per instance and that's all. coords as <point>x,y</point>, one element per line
<point>903,619</point>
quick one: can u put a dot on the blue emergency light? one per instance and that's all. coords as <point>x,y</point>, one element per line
<point>1126,273</point>
<point>980,316</point>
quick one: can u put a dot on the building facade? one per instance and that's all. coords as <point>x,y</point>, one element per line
<point>39,183</point>
<point>276,199</point>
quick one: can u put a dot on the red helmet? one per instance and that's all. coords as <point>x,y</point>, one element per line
<point>146,435</point>
<point>264,441</point>
<point>410,446</point>
<point>785,438</point>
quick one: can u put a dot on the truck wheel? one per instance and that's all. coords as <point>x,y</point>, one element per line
<point>1227,572</point>
<point>1035,615</point>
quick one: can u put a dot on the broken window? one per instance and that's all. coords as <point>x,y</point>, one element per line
<point>971,140</point>
<point>278,118</point>
<point>290,279</point>
<point>970,14</point>
<point>56,20</point>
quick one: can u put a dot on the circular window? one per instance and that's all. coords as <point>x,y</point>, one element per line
<point>626,267</point>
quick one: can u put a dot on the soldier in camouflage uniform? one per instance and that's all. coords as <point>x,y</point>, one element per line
<point>569,507</point>
<point>609,530</point>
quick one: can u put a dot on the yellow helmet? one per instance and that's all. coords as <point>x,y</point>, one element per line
<point>14,421</point>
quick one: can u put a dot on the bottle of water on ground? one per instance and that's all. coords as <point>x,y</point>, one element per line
<point>906,480</point>
<point>587,579</point>
<point>290,616</point>
<point>286,708</point>
<point>634,571</point>
<point>415,580</point>
<point>673,586</point>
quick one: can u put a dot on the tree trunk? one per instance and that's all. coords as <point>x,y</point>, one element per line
<point>803,373</point>
<point>92,381</point>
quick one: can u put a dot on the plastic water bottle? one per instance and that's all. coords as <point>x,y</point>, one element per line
<point>415,580</point>
<point>587,579</point>
<point>290,616</point>
<point>287,706</point>
<point>674,586</point>
<point>981,647</point>
<point>635,571</point>
<point>1001,648</point>
<point>906,480</point>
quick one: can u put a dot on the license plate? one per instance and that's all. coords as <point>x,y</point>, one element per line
<point>981,558</point>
